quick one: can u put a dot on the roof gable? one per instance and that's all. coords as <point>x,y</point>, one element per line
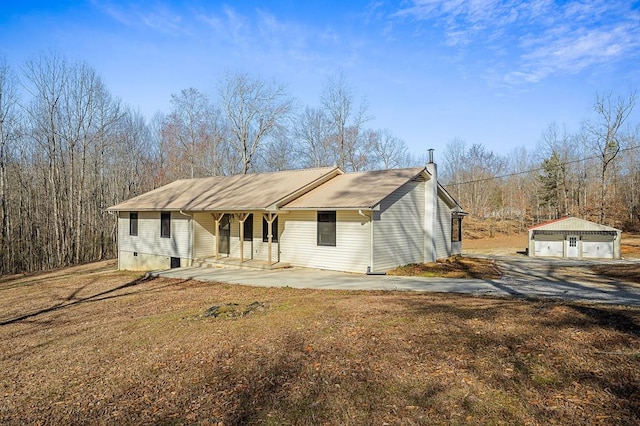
<point>571,224</point>
<point>360,190</point>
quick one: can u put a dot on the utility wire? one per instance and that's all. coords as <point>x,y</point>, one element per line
<point>535,170</point>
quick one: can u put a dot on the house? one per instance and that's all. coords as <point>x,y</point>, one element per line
<point>574,238</point>
<point>318,218</point>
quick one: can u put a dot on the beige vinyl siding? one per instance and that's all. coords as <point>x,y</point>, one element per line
<point>261,248</point>
<point>442,233</point>
<point>148,240</point>
<point>204,239</point>
<point>256,249</point>
<point>398,228</point>
<point>299,242</point>
<point>456,247</point>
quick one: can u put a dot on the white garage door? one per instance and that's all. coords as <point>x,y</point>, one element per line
<point>548,248</point>
<point>597,249</point>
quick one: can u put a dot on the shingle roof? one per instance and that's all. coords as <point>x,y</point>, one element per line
<point>355,190</point>
<point>239,192</point>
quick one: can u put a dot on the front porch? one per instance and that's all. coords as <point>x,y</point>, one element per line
<point>237,263</point>
<point>238,239</point>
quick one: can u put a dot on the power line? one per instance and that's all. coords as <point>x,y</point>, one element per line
<point>534,170</point>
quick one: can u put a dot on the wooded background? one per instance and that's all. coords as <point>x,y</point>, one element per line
<point>69,149</point>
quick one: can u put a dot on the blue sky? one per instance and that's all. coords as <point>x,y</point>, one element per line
<point>488,71</point>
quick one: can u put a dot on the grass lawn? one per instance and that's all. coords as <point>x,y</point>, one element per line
<point>93,346</point>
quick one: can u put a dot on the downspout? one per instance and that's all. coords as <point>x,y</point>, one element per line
<point>370,267</point>
<point>190,236</point>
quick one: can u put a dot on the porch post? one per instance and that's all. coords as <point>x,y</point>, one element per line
<point>270,217</point>
<point>241,218</point>
<point>217,217</point>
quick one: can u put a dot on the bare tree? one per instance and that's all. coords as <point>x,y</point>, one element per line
<point>8,136</point>
<point>72,117</point>
<point>279,151</point>
<point>194,134</point>
<point>390,151</point>
<point>254,109</point>
<point>452,170</point>
<point>605,138</point>
<point>312,131</point>
<point>347,119</point>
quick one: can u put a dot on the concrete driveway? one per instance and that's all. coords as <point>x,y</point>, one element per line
<point>524,277</point>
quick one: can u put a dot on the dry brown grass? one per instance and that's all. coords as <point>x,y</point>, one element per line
<point>93,346</point>
<point>630,246</point>
<point>454,267</point>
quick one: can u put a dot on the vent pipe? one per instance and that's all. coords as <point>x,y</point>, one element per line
<point>431,155</point>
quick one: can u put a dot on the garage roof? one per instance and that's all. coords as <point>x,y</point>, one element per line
<point>572,224</point>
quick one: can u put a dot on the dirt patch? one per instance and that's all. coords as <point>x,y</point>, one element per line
<point>454,267</point>
<point>101,347</point>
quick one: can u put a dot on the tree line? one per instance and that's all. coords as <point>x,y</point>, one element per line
<point>592,173</point>
<point>69,149</point>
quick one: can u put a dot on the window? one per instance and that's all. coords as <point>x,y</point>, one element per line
<point>573,242</point>
<point>265,229</point>
<point>456,229</point>
<point>165,225</point>
<point>327,228</point>
<point>248,228</point>
<point>133,224</point>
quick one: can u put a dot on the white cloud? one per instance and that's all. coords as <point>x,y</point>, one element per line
<point>158,18</point>
<point>544,37</point>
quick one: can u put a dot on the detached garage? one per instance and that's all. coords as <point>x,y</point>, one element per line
<point>574,238</point>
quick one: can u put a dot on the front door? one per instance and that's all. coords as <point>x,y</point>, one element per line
<point>572,246</point>
<point>225,234</point>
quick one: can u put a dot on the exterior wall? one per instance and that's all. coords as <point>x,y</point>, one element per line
<point>129,261</point>
<point>299,242</point>
<point>204,239</point>
<point>398,232</point>
<point>442,233</point>
<point>148,250</point>
<point>456,248</point>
